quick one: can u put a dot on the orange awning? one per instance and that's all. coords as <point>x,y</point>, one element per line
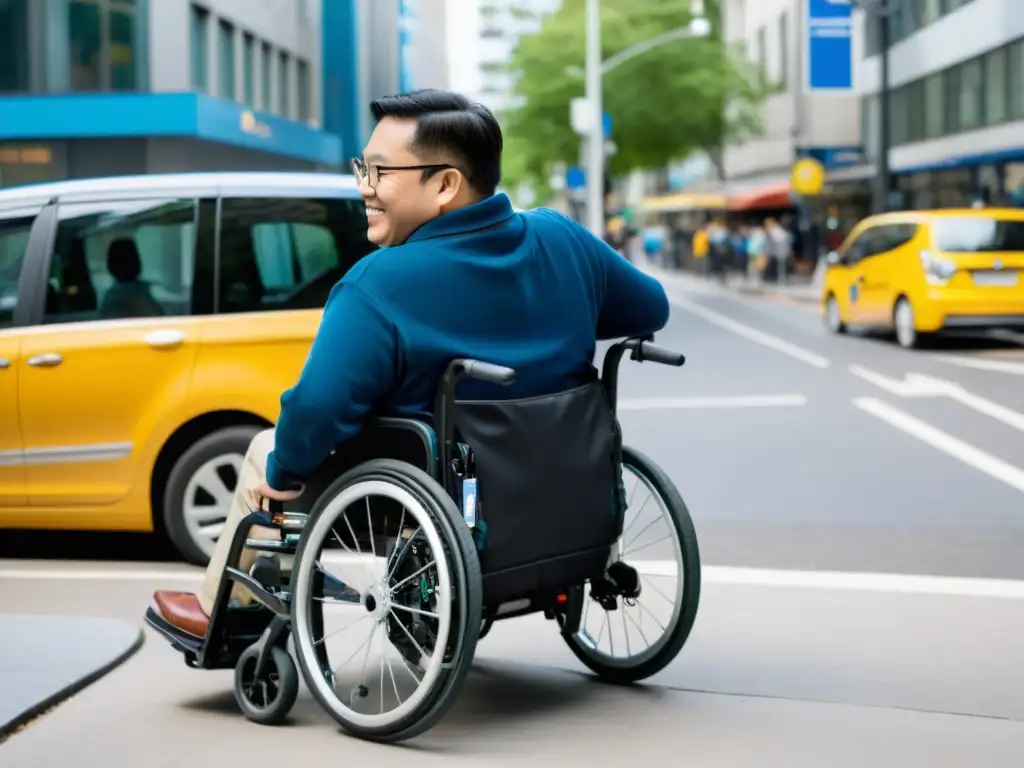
<point>770,196</point>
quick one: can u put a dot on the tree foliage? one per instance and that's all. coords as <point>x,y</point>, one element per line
<point>685,95</point>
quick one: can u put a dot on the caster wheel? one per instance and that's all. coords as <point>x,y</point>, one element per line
<point>485,628</point>
<point>269,699</point>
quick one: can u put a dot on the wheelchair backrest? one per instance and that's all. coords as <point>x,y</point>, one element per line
<point>549,476</point>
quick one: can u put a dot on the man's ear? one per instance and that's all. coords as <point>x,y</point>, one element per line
<point>450,184</point>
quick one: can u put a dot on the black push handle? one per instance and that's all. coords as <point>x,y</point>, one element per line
<point>489,372</point>
<point>647,352</point>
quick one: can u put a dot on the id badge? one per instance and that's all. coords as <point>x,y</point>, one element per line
<point>469,501</point>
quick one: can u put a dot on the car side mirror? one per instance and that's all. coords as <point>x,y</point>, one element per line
<point>833,258</point>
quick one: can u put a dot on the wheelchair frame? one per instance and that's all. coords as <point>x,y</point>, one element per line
<point>267,624</point>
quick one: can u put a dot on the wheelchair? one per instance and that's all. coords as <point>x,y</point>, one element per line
<point>487,511</point>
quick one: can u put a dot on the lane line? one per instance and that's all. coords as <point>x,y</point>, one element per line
<point>980,364</point>
<point>945,442</point>
<point>889,583</point>
<point>748,332</point>
<point>738,401</point>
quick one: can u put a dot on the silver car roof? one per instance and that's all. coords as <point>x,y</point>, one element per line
<point>235,184</point>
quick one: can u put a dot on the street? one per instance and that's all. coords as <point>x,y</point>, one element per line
<point>860,510</point>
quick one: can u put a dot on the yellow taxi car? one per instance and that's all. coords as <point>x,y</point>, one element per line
<point>918,273</point>
<point>148,326</point>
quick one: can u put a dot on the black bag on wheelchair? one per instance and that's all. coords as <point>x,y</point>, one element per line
<point>549,484</point>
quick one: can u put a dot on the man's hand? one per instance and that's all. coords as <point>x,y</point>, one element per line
<point>258,493</point>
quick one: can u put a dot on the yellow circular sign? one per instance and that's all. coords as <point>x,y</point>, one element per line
<point>808,177</point>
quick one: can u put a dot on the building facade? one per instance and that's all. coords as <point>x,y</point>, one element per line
<point>956,100</point>
<point>100,87</point>
<point>372,48</point>
<point>809,113</point>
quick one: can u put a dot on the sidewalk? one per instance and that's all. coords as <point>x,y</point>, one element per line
<point>803,290</point>
<point>48,659</point>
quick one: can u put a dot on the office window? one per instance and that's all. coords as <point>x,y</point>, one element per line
<point>302,75</point>
<point>934,106</point>
<point>134,258</point>
<point>1015,80</point>
<point>200,49</point>
<point>762,51</point>
<point>226,59</point>
<point>784,51</point>
<point>898,111</point>
<point>971,94</point>
<point>249,69</point>
<point>285,253</point>
<point>85,27</point>
<point>995,86</point>
<point>951,78</point>
<point>102,42</point>
<point>14,231</point>
<point>267,77</point>
<point>869,125</point>
<point>14,59</point>
<point>284,96</point>
<point>931,10</point>
<point>915,118</point>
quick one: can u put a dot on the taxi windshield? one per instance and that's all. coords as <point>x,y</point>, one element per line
<point>975,234</point>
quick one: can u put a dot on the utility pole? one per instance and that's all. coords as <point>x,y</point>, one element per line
<point>878,12</point>
<point>595,136</point>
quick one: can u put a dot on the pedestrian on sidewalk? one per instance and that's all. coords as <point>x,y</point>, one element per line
<point>756,260</point>
<point>778,247</point>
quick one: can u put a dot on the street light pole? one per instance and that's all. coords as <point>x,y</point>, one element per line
<point>878,12</point>
<point>595,137</point>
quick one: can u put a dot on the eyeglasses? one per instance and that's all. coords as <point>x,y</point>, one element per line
<point>371,173</point>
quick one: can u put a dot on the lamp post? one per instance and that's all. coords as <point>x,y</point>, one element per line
<point>594,73</point>
<point>878,13</point>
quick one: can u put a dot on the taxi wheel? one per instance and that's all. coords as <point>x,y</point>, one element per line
<point>905,324</point>
<point>199,490</point>
<point>833,318</point>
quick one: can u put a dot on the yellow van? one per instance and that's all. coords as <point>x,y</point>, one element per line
<point>921,272</point>
<point>148,326</point>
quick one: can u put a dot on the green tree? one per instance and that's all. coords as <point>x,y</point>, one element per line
<point>690,94</point>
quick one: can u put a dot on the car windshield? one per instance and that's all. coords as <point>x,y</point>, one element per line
<point>973,234</point>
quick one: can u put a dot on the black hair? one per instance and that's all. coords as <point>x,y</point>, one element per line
<point>450,122</point>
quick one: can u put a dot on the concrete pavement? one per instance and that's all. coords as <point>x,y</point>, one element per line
<point>47,659</point>
<point>861,528</point>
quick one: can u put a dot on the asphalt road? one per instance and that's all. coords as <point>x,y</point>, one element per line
<point>817,470</point>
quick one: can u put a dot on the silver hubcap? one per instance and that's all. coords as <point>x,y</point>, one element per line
<point>905,332</point>
<point>208,498</point>
<point>832,313</point>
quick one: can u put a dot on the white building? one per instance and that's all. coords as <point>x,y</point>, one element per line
<point>957,99</point>
<point>483,35</point>
<point>825,124</point>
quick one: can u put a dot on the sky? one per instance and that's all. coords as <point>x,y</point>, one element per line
<point>463,45</point>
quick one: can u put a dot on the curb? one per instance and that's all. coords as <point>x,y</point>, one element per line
<point>11,727</point>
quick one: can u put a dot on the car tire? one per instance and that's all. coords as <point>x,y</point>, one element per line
<point>905,325</point>
<point>833,317</point>
<point>199,490</point>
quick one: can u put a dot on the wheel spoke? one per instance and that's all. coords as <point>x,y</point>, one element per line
<point>648,545</point>
<point>417,611</point>
<point>411,576</point>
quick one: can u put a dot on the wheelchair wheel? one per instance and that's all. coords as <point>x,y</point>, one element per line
<point>269,698</point>
<point>634,621</point>
<point>412,634</point>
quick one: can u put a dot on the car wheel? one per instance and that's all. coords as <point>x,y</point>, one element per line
<point>200,488</point>
<point>905,325</point>
<point>833,319</point>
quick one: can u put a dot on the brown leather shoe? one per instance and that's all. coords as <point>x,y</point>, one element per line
<point>182,609</point>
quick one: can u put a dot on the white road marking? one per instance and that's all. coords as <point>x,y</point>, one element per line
<point>748,332</point>
<point>739,401</point>
<point>981,364</point>
<point>945,442</point>
<point>892,583</point>
<point>915,385</point>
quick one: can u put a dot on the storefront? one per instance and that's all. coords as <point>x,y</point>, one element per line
<point>45,138</point>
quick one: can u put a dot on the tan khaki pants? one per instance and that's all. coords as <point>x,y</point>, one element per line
<point>254,471</point>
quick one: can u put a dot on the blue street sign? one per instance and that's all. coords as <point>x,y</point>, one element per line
<point>829,45</point>
<point>575,178</point>
<point>834,157</point>
<point>606,124</point>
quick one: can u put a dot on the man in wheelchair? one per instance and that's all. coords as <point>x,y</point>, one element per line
<point>459,274</point>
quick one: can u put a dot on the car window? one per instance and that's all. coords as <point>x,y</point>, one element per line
<point>975,234</point>
<point>287,253</point>
<point>860,247</point>
<point>125,259</point>
<point>15,227</point>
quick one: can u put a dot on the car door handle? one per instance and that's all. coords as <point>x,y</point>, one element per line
<point>164,339</point>
<point>49,360</point>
